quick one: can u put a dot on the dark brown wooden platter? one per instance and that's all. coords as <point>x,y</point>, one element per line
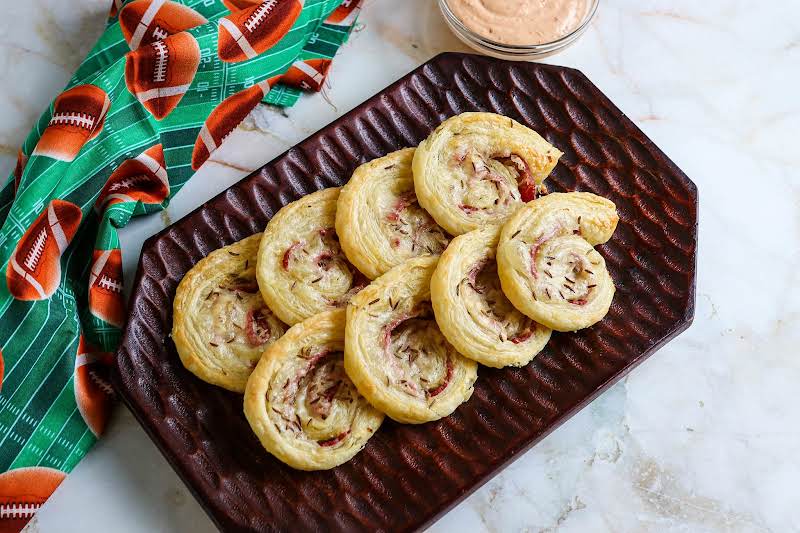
<point>407,476</point>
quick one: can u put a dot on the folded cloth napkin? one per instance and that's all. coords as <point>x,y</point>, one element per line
<point>163,87</point>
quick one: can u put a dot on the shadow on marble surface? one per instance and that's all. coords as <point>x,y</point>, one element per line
<point>38,53</point>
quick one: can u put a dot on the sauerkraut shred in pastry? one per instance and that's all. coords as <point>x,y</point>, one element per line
<point>417,356</point>
<point>238,315</point>
<point>318,260</point>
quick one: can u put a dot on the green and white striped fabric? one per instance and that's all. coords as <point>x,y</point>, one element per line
<point>161,89</point>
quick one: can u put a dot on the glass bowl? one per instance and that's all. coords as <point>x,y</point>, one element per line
<point>514,52</point>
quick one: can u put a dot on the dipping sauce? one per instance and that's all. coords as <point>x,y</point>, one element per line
<point>520,22</point>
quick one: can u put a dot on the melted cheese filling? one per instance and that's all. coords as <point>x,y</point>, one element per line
<point>319,263</point>
<point>236,319</point>
<point>562,263</point>
<point>494,183</point>
<point>417,355</point>
<point>312,398</point>
<point>490,309</point>
<point>410,228</point>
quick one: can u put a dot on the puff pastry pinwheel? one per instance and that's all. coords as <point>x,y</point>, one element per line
<point>547,263</point>
<point>471,309</point>
<point>221,325</point>
<point>378,219</point>
<point>395,353</point>
<point>479,168</point>
<point>301,268</point>
<point>300,402</point>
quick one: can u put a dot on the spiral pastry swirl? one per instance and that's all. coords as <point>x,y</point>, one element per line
<point>300,402</point>
<point>471,309</point>
<point>547,263</point>
<point>379,220</point>
<point>302,270</point>
<point>221,325</point>
<point>479,168</point>
<point>395,353</point>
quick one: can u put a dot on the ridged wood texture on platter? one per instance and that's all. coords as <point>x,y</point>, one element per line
<point>409,475</point>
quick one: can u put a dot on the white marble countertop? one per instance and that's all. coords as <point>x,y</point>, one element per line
<point>704,436</point>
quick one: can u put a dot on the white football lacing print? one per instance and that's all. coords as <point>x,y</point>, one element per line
<point>258,16</point>
<point>129,182</point>
<point>162,55</point>
<point>160,33</point>
<point>35,253</point>
<point>18,510</point>
<point>110,284</point>
<point>101,383</point>
<point>81,120</point>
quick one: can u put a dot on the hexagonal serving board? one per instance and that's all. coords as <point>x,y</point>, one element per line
<point>407,476</point>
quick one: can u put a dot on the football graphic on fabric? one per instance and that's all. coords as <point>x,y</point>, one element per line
<point>248,32</point>
<point>346,14</point>
<point>308,75</point>
<point>34,270</point>
<point>141,179</point>
<point>225,118</point>
<point>160,73</point>
<point>93,391</point>
<point>146,21</point>
<point>106,300</point>
<point>236,5</point>
<point>2,370</point>
<point>22,493</point>
<point>78,116</point>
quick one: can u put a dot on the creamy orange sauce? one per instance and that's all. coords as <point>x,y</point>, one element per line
<point>520,22</point>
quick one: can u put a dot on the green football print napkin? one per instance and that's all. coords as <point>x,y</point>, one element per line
<point>160,91</point>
